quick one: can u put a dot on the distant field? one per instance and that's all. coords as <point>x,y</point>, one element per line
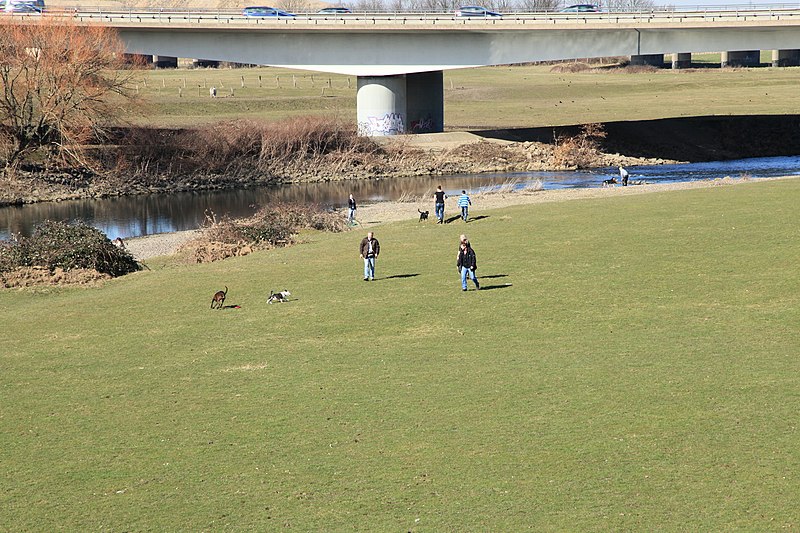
<point>481,98</point>
<point>632,365</point>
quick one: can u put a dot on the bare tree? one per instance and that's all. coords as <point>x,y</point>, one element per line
<point>539,5</point>
<point>630,5</point>
<point>60,85</point>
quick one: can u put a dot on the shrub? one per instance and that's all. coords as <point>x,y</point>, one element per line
<point>271,226</point>
<point>582,150</point>
<point>67,246</point>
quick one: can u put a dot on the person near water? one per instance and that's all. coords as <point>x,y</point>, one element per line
<point>623,176</point>
<point>351,210</point>
<point>369,249</point>
<point>464,203</point>
<point>438,204</point>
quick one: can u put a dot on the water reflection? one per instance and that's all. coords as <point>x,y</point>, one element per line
<point>160,213</point>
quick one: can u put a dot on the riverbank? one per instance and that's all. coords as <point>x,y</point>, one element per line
<point>390,157</point>
<point>144,248</point>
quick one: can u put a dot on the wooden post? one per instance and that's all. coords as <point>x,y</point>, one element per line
<point>242,82</point>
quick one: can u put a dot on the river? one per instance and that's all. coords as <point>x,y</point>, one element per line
<point>135,216</point>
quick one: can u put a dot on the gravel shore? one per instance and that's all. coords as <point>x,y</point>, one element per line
<point>144,248</point>
<point>160,244</point>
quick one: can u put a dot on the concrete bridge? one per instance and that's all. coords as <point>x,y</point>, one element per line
<point>399,59</point>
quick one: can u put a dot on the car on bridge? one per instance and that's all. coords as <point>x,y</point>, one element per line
<point>476,11</point>
<point>22,6</point>
<point>334,11</point>
<point>262,11</point>
<point>581,8</point>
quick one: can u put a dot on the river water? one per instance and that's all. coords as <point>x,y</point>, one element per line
<point>135,216</point>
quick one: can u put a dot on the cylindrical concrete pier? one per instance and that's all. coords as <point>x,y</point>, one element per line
<point>681,60</point>
<point>381,105</point>
<point>165,62</point>
<point>744,58</point>
<point>393,105</point>
<point>785,58</point>
<point>653,60</point>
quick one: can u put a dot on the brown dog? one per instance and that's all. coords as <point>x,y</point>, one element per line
<point>219,298</point>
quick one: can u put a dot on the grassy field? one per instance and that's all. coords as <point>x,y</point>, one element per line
<point>631,365</point>
<point>481,98</point>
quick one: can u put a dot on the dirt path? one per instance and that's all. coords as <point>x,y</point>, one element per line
<point>144,248</point>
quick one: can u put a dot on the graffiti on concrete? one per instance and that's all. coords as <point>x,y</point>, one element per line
<point>423,125</point>
<point>388,124</point>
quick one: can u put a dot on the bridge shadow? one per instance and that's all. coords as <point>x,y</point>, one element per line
<point>692,139</point>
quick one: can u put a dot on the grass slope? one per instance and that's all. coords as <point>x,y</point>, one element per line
<point>478,98</point>
<point>632,365</point>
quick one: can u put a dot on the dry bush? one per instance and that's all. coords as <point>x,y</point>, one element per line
<point>581,150</point>
<point>245,147</point>
<point>39,276</point>
<point>271,226</point>
<point>571,67</point>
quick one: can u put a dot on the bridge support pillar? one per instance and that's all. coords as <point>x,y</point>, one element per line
<point>785,58</point>
<point>681,60</point>
<point>654,60</point>
<point>745,58</point>
<point>205,63</point>
<point>425,102</point>
<point>165,62</point>
<point>407,103</point>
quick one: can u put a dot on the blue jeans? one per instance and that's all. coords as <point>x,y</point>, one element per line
<point>464,273</point>
<point>351,215</point>
<point>439,211</point>
<point>369,267</point>
<point>465,212</point>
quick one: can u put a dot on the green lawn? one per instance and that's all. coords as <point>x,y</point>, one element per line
<point>633,365</point>
<point>479,98</point>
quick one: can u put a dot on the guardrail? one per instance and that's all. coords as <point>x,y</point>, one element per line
<point>218,16</point>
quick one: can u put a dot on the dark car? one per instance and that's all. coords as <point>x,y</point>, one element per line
<point>260,11</point>
<point>581,8</point>
<point>334,11</point>
<point>475,11</point>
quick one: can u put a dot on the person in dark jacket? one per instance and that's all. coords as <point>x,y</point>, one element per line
<point>369,249</point>
<point>351,210</point>
<point>467,264</point>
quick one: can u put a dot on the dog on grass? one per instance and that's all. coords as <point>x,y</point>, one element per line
<point>219,298</point>
<point>278,297</point>
<point>609,182</point>
<point>423,215</point>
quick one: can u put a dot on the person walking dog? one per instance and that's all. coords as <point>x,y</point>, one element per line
<point>351,210</point>
<point>464,203</point>
<point>369,249</point>
<point>438,204</point>
<point>468,264</point>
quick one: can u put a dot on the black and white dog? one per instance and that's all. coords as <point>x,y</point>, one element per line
<point>278,297</point>
<point>423,215</point>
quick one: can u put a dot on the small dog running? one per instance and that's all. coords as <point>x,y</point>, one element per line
<point>423,215</point>
<point>219,298</point>
<point>609,182</point>
<point>278,297</point>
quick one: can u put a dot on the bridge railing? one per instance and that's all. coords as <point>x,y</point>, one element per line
<point>234,16</point>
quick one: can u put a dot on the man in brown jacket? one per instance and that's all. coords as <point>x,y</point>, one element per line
<point>369,249</point>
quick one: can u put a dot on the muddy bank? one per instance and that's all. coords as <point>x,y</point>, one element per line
<point>627,143</point>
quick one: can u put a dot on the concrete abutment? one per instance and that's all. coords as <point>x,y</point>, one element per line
<point>405,103</point>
